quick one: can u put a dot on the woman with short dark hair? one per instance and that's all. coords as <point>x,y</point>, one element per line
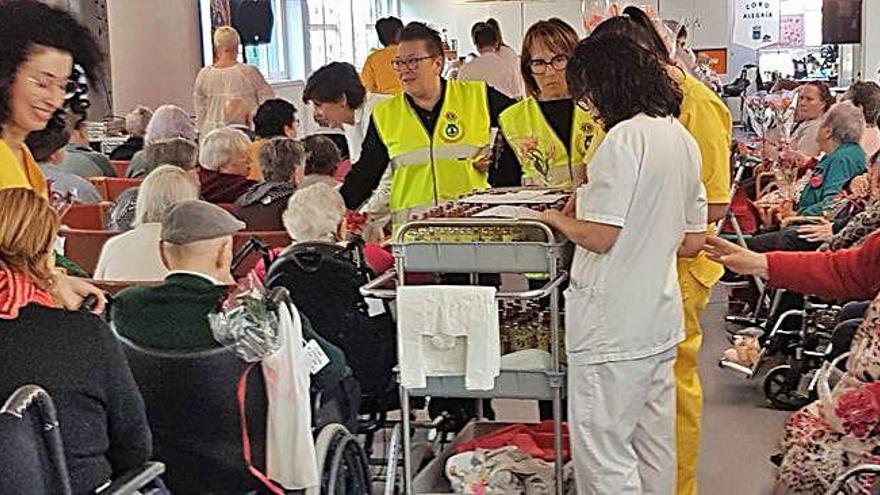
<point>274,118</point>
<point>866,96</point>
<point>322,161</point>
<point>644,203</point>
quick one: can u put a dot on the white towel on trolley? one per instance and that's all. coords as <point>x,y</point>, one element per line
<point>448,331</point>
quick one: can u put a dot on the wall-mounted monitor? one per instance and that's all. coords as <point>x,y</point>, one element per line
<point>841,22</point>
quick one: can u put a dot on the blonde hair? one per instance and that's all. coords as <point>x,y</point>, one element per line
<point>27,233</point>
<point>226,38</point>
<point>162,189</point>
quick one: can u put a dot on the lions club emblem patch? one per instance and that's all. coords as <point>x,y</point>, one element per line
<point>452,131</point>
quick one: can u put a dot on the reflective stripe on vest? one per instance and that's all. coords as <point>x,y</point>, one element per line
<point>544,159</point>
<point>429,169</point>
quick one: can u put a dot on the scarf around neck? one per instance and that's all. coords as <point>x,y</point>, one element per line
<point>17,290</point>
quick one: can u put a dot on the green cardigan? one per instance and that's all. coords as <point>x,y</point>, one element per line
<point>174,315</point>
<point>832,174</point>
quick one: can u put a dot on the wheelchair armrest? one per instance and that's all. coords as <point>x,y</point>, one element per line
<point>135,479</point>
<point>861,469</point>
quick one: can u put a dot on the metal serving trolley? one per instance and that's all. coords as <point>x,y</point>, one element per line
<point>477,246</point>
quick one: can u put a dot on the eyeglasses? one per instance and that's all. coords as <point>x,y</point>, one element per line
<point>66,88</point>
<point>539,66</point>
<point>409,64</point>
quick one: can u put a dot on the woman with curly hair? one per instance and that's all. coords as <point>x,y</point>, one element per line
<point>38,47</point>
<point>643,204</point>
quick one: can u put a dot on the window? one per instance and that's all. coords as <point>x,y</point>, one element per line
<point>342,30</point>
<point>308,34</point>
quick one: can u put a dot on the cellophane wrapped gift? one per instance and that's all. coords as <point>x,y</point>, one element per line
<point>247,322</point>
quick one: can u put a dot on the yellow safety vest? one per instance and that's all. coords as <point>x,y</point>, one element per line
<point>544,159</point>
<point>428,169</point>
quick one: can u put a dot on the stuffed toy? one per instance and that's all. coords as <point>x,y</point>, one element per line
<point>745,350</point>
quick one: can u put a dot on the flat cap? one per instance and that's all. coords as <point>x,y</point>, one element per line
<point>194,220</point>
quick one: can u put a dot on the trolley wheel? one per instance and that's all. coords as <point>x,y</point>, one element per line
<point>780,388</point>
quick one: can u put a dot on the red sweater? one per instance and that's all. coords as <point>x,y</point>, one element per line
<point>851,274</point>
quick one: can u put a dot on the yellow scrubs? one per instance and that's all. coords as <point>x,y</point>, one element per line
<point>709,122</point>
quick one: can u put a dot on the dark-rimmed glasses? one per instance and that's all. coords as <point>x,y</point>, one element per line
<point>539,66</point>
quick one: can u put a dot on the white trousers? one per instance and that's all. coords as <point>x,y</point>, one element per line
<point>622,422</point>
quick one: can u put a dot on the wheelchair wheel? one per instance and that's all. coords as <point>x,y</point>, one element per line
<point>781,389</point>
<point>341,462</point>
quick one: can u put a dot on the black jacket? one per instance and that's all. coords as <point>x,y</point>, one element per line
<point>76,358</point>
<point>126,150</point>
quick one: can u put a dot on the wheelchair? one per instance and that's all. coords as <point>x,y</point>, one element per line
<point>324,282</point>
<point>33,456</point>
<point>209,396</point>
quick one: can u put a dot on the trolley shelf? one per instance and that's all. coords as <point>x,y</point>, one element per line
<point>480,256</point>
<point>377,288</point>
<point>510,384</point>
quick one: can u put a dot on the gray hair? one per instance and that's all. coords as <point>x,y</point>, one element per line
<point>846,121</point>
<point>178,152</point>
<point>279,156</point>
<point>314,213</point>
<point>226,38</point>
<point>164,187</point>
<point>136,120</point>
<point>221,146</point>
<point>169,121</point>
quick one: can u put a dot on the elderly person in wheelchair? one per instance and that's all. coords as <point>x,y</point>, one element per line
<point>323,273</point>
<point>825,439</point>
<point>197,392</point>
<point>838,137</point>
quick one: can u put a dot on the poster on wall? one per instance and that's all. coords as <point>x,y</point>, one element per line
<point>756,23</point>
<point>715,57</point>
<point>791,31</point>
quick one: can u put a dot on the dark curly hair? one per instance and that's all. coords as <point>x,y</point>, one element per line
<point>621,79</point>
<point>322,156</point>
<point>333,81</point>
<point>25,26</point>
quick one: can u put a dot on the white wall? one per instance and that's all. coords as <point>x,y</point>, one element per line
<point>870,39</point>
<point>514,17</point>
<point>155,52</point>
